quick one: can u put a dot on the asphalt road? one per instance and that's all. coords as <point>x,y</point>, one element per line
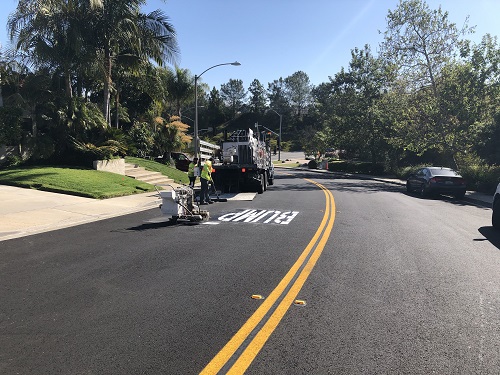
<point>357,277</point>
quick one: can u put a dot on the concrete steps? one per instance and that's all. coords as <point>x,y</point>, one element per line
<point>141,174</point>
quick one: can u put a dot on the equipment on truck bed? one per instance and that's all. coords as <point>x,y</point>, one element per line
<point>245,163</point>
<point>181,205</point>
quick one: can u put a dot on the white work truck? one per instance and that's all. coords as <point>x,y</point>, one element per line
<point>244,163</point>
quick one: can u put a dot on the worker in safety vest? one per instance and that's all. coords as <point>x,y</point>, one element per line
<point>193,172</point>
<point>205,179</point>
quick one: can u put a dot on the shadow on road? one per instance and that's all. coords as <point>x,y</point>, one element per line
<point>492,235</point>
<point>151,226</point>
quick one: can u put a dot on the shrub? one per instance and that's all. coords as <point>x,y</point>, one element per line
<point>405,172</point>
<point>10,125</point>
<point>12,161</point>
<point>483,178</point>
<point>356,167</point>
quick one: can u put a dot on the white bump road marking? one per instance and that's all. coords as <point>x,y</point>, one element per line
<point>264,216</point>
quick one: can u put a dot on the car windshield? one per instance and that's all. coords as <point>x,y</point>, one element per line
<point>443,172</point>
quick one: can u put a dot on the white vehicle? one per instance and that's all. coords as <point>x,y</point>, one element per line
<point>245,163</point>
<point>495,216</point>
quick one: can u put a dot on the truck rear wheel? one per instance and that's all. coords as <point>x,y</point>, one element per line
<point>260,186</point>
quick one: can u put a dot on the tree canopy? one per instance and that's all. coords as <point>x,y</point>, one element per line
<point>427,94</point>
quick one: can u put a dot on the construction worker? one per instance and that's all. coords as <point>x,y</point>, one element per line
<point>205,179</point>
<point>191,172</point>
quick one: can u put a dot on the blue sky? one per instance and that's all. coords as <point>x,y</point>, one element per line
<point>276,38</point>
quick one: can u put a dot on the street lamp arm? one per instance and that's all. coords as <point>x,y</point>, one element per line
<point>275,112</point>
<point>196,142</point>
<point>236,63</point>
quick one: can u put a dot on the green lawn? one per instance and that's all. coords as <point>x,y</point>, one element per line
<point>173,173</point>
<point>85,182</point>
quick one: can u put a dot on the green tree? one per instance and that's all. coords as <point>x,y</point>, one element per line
<point>468,97</point>
<point>277,95</point>
<point>233,94</point>
<point>50,33</point>
<point>357,114</point>
<point>279,101</point>
<point>315,142</point>
<point>141,139</point>
<point>420,43</point>
<point>257,101</point>
<point>171,135</point>
<point>215,110</point>
<point>119,28</point>
<point>180,87</point>
<point>10,125</point>
<point>298,90</point>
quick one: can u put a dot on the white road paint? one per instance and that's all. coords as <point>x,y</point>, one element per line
<point>262,216</point>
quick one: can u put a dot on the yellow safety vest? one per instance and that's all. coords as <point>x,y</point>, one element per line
<point>191,169</point>
<point>206,173</point>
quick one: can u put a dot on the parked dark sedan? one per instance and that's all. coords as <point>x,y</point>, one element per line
<point>437,180</point>
<point>181,161</point>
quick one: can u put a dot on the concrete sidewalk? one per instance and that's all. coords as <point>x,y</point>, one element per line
<point>26,211</point>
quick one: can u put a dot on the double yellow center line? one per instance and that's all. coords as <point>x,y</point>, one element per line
<point>241,350</point>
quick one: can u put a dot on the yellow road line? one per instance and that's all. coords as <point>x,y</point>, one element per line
<point>253,348</point>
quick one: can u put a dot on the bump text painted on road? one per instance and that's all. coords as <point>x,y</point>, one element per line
<point>243,347</point>
<point>262,216</point>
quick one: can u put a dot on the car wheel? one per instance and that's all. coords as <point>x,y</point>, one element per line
<point>495,216</point>
<point>423,191</point>
<point>460,195</point>
<point>408,188</point>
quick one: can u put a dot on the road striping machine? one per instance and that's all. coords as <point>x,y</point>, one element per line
<point>180,204</point>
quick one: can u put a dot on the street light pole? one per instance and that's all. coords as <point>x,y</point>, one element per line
<point>196,142</point>
<point>279,146</point>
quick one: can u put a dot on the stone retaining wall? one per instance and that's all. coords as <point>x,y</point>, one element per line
<point>111,165</point>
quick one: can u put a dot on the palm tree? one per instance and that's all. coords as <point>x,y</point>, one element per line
<point>180,87</point>
<point>50,32</point>
<point>69,35</point>
<point>120,29</point>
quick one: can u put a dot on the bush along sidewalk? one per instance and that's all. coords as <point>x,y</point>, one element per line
<point>361,167</point>
<point>480,178</point>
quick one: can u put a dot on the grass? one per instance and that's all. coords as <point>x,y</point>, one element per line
<point>173,173</point>
<point>85,182</point>
<point>278,163</point>
<point>74,181</point>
